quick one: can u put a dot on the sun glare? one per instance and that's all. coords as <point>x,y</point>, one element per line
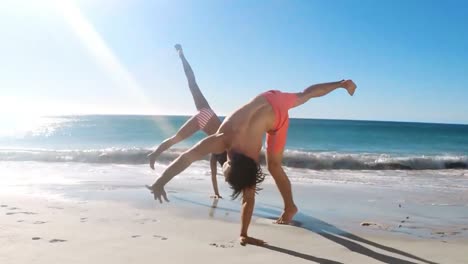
<point>104,55</point>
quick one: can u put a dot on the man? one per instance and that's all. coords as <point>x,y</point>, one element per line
<point>205,120</point>
<point>241,135</point>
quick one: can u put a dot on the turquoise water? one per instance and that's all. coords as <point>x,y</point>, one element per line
<point>310,141</point>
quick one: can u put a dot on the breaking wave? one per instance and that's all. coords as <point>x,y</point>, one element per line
<point>294,159</point>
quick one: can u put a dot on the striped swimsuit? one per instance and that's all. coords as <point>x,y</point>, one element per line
<point>203,116</point>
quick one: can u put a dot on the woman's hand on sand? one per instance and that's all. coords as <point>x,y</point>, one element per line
<point>216,196</point>
<point>158,191</point>
<point>244,240</point>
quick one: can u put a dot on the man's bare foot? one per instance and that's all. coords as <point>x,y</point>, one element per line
<point>244,240</point>
<point>152,159</point>
<point>287,216</point>
<point>350,86</point>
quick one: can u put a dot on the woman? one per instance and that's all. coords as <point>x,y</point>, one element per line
<point>205,120</point>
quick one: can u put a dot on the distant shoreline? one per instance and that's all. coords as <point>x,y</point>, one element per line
<point>295,118</point>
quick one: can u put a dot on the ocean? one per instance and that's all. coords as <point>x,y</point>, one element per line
<point>90,155</point>
<point>312,143</point>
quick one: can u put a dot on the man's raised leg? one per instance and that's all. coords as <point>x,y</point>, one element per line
<point>322,89</point>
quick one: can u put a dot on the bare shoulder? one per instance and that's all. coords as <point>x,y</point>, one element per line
<point>245,112</point>
<point>258,101</point>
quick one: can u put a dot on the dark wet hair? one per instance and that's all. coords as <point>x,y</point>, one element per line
<point>221,158</point>
<point>244,173</point>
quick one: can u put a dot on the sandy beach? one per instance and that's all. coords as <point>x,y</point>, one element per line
<point>360,106</point>
<point>112,222</point>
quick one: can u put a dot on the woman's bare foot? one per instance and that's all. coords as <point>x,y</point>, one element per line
<point>349,85</point>
<point>178,48</point>
<point>287,215</point>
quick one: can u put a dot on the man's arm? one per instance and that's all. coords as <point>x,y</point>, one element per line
<point>214,181</point>
<point>248,203</point>
<point>212,144</point>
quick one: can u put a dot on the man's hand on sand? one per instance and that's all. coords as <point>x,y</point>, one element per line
<point>158,191</point>
<point>244,240</point>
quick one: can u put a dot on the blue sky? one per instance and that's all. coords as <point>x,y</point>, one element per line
<point>409,58</point>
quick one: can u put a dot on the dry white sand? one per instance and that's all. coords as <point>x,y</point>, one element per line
<point>44,231</point>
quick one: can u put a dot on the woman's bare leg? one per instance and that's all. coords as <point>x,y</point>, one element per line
<point>188,129</point>
<point>198,98</point>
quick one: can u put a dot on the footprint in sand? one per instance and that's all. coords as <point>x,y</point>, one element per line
<point>374,225</point>
<point>145,220</point>
<point>55,207</point>
<point>35,238</point>
<point>3,205</point>
<point>135,236</point>
<point>83,219</point>
<point>229,244</point>
<point>446,233</point>
<point>160,237</point>
<point>39,222</point>
<point>13,208</point>
<point>57,240</point>
<point>27,213</point>
<point>20,221</point>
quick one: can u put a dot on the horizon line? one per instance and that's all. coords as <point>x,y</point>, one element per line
<point>311,118</point>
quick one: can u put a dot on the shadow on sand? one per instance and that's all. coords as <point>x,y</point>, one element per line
<point>346,239</point>
<point>326,230</point>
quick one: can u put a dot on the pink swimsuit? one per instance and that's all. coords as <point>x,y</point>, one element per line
<point>281,103</point>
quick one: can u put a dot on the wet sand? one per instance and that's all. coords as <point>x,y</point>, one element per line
<point>124,225</point>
